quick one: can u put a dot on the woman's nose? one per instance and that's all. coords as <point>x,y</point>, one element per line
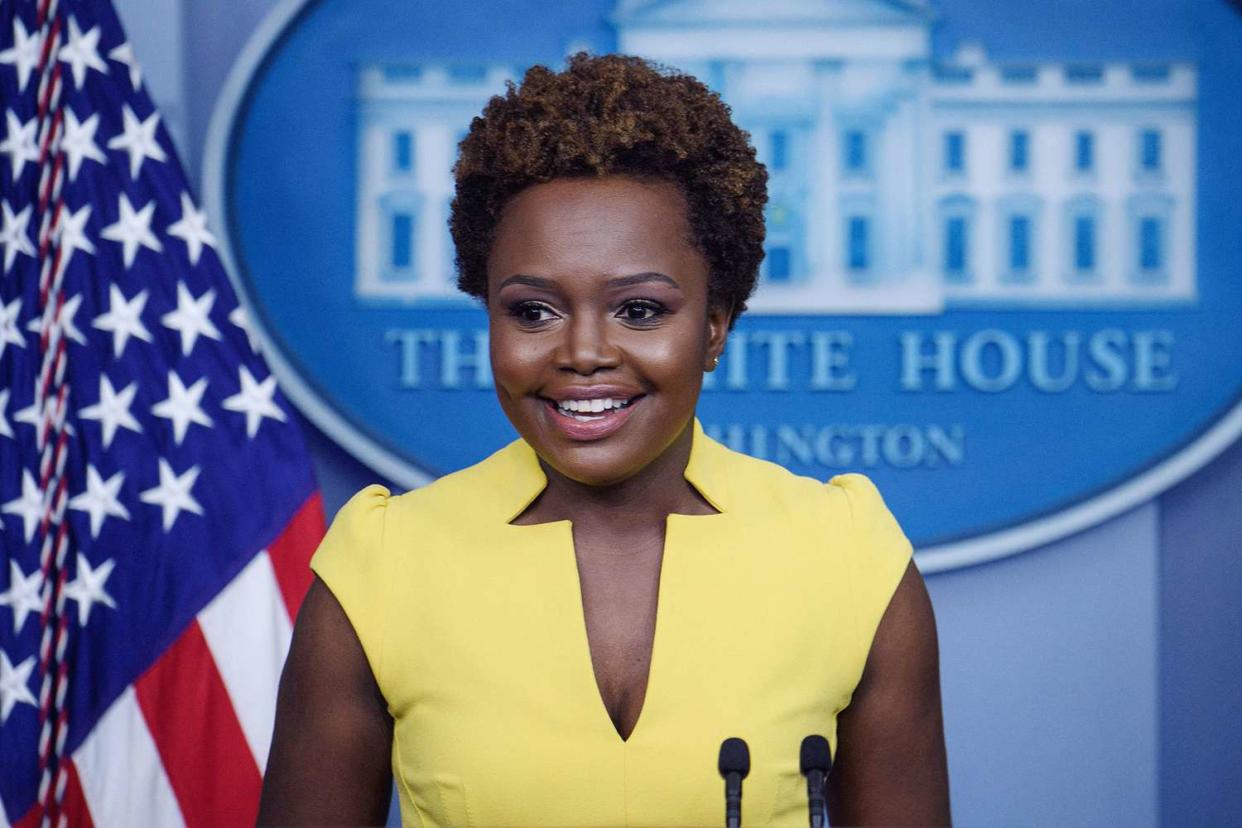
<point>587,346</point>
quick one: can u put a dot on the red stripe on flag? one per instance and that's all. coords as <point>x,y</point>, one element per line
<point>73,807</point>
<point>291,552</point>
<point>199,739</point>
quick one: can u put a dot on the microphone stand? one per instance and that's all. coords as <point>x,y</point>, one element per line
<point>815,763</point>
<point>734,765</point>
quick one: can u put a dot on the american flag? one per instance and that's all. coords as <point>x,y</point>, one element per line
<point>157,506</point>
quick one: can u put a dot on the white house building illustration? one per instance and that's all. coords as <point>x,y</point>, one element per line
<point>899,182</point>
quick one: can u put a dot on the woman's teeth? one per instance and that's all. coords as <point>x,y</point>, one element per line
<point>581,409</point>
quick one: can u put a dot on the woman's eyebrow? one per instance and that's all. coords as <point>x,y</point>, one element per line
<point>640,278</point>
<point>530,281</point>
<point>618,282</point>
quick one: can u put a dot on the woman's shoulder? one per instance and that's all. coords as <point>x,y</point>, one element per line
<point>480,492</point>
<point>361,519</point>
<point>469,491</point>
<point>757,479</point>
<point>848,504</point>
<point>857,493</point>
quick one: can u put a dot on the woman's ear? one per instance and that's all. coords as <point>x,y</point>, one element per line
<point>719,318</point>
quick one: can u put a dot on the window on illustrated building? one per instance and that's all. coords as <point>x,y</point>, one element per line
<point>1150,243</point>
<point>1084,244</point>
<point>402,152</point>
<point>402,241</point>
<point>957,218</point>
<point>1018,226</point>
<point>778,158</point>
<point>1019,244</point>
<point>858,253</point>
<point>1082,239</point>
<point>956,244</point>
<point>779,264</point>
<point>1084,152</point>
<point>398,242</point>
<point>1019,151</point>
<point>1150,151</point>
<point>954,152</point>
<point>855,152</point>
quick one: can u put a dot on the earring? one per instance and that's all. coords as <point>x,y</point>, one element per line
<point>715,362</point>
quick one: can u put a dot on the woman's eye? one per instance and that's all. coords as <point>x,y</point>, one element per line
<point>640,311</point>
<point>532,312</point>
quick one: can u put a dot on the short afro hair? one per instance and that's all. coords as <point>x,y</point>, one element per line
<point>615,115</point>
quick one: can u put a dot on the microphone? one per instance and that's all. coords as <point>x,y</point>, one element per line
<point>815,763</point>
<point>734,766</point>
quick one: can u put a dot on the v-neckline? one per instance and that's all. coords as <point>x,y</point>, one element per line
<point>585,639</point>
<point>584,666</point>
<point>529,481</point>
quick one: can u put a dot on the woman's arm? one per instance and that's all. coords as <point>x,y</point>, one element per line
<point>891,767</point>
<point>330,760</point>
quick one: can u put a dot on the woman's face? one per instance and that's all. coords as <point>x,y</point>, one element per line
<point>597,299</point>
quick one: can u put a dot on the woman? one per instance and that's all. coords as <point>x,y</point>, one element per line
<point>564,633</point>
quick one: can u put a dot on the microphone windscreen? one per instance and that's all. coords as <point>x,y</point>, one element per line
<point>816,755</point>
<point>734,757</point>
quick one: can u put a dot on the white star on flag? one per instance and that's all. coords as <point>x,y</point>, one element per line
<point>71,234</point>
<point>87,588</point>
<point>82,53</point>
<point>14,685</point>
<point>112,410</point>
<point>29,506</point>
<point>9,335</point>
<point>192,229</point>
<point>125,54</point>
<point>123,319</point>
<point>24,53</point>
<point>241,319</point>
<point>255,401</point>
<point>19,143</point>
<point>132,229</point>
<point>192,318</point>
<point>30,414</point>
<point>182,406</point>
<point>100,499</point>
<point>173,493</point>
<point>138,139</point>
<point>5,429</point>
<point>65,314</point>
<point>78,142</point>
<point>33,417</point>
<point>14,234</point>
<point>24,595</point>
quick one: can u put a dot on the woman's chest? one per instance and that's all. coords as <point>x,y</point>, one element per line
<point>619,579</point>
<point>498,702</point>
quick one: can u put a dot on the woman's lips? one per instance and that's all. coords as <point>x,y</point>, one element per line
<point>600,425</point>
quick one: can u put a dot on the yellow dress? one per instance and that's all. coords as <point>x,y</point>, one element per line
<point>475,633</point>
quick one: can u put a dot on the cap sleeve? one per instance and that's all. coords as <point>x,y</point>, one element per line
<point>878,553</point>
<point>350,561</point>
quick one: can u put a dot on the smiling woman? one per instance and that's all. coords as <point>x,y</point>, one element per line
<point>565,633</point>
<point>620,310</point>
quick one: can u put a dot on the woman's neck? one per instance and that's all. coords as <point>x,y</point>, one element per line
<point>641,501</point>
